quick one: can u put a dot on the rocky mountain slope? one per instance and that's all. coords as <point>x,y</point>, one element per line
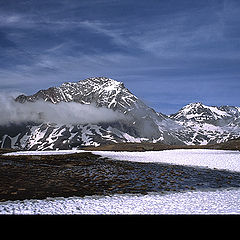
<point>193,124</point>
<point>208,124</point>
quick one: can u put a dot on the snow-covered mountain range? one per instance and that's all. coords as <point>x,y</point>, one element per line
<point>193,124</point>
<point>208,124</point>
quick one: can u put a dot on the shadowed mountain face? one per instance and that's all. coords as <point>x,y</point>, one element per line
<point>112,114</point>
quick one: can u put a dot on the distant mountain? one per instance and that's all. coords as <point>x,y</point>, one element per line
<point>200,113</point>
<point>193,124</point>
<point>208,124</point>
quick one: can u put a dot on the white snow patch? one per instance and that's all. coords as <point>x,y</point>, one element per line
<point>130,138</point>
<point>192,202</point>
<point>53,152</point>
<point>217,111</point>
<point>219,159</point>
<point>110,88</point>
<point>214,159</point>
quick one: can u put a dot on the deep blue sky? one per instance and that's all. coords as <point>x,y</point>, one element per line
<point>167,52</point>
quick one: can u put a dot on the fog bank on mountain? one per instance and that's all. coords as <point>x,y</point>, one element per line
<point>99,110</point>
<point>13,112</point>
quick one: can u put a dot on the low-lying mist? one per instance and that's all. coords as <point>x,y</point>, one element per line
<point>12,112</point>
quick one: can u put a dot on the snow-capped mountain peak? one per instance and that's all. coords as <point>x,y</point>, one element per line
<point>195,123</point>
<point>101,91</point>
<point>208,124</point>
<point>199,112</point>
<point>140,122</point>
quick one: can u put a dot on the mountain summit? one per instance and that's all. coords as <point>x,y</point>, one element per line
<point>195,123</point>
<point>102,91</point>
<point>199,112</point>
<point>208,124</point>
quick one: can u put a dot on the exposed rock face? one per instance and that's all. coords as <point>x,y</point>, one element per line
<point>208,124</point>
<point>194,124</point>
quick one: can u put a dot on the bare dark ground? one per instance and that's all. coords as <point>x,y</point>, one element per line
<point>38,177</point>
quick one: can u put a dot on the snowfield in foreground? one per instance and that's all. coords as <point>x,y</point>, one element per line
<point>219,159</point>
<point>193,202</point>
<point>38,153</point>
<point>197,202</point>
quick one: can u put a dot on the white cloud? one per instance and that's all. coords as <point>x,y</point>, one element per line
<point>13,112</point>
<point>110,30</point>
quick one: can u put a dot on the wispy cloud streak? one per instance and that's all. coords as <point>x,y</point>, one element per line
<point>192,43</point>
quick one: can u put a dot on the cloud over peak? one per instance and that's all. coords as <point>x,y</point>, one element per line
<point>13,112</point>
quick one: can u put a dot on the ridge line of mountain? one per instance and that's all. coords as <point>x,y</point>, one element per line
<point>193,124</point>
